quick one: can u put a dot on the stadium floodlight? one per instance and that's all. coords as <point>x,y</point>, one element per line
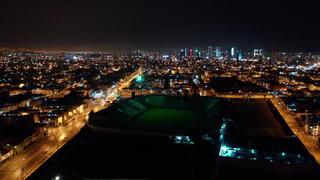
<point>226,151</point>
<point>224,148</point>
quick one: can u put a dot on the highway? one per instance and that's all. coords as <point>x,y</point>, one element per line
<point>309,142</point>
<point>25,163</point>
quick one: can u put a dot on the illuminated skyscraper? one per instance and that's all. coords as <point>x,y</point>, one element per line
<point>232,52</point>
<point>218,52</point>
<point>257,52</point>
<point>240,56</point>
<point>197,53</point>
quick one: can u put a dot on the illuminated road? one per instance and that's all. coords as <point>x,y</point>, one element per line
<point>251,96</point>
<point>24,164</point>
<point>309,142</point>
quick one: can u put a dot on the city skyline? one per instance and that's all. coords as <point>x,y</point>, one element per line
<point>244,106</point>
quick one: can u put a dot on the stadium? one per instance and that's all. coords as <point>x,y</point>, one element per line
<point>162,115</point>
<point>176,137</point>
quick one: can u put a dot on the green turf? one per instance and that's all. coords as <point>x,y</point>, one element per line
<point>167,114</point>
<point>171,120</point>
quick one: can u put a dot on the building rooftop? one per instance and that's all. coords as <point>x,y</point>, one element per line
<point>233,85</point>
<point>256,131</point>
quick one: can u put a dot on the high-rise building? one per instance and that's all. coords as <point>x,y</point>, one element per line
<point>210,51</point>
<point>218,52</point>
<point>190,52</point>
<point>197,53</point>
<point>232,53</point>
<point>240,55</point>
<point>257,52</point>
<point>182,54</point>
<point>185,52</point>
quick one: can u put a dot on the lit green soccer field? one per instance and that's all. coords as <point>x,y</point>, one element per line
<point>168,119</point>
<point>163,114</point>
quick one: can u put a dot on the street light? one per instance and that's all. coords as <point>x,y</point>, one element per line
<point>139,78</point>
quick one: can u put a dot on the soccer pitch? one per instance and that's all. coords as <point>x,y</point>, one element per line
<point>168,119</point>
<point>162,114</point>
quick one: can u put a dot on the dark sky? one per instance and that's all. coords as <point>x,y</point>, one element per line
<point>153,24</point>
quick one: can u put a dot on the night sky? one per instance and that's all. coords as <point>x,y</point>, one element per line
<point>121,25</point>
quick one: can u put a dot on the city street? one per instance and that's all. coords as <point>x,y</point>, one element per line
<point>24,164</point>
<point>310,143</point>
<point>251,96</point>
